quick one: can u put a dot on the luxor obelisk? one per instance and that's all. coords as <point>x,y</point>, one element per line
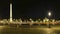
<point>10,12</point>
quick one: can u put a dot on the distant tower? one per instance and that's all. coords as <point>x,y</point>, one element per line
<point>10,12</point>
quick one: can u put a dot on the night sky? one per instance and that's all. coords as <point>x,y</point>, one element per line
<point>4,9</point>
<point>31,9</point>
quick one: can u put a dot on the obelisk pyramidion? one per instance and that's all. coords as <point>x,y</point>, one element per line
<point>10,12</point>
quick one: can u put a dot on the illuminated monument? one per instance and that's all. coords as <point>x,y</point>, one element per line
<point>10,12</point>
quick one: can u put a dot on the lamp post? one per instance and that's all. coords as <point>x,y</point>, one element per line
<point>49,14</point>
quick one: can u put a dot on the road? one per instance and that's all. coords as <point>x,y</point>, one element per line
<point>29,30</point>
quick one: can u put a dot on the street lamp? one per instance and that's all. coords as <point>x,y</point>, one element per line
<point>49,14</point>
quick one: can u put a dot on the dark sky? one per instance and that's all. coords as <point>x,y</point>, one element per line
<point>31,9</point>
<point>4,9</point>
